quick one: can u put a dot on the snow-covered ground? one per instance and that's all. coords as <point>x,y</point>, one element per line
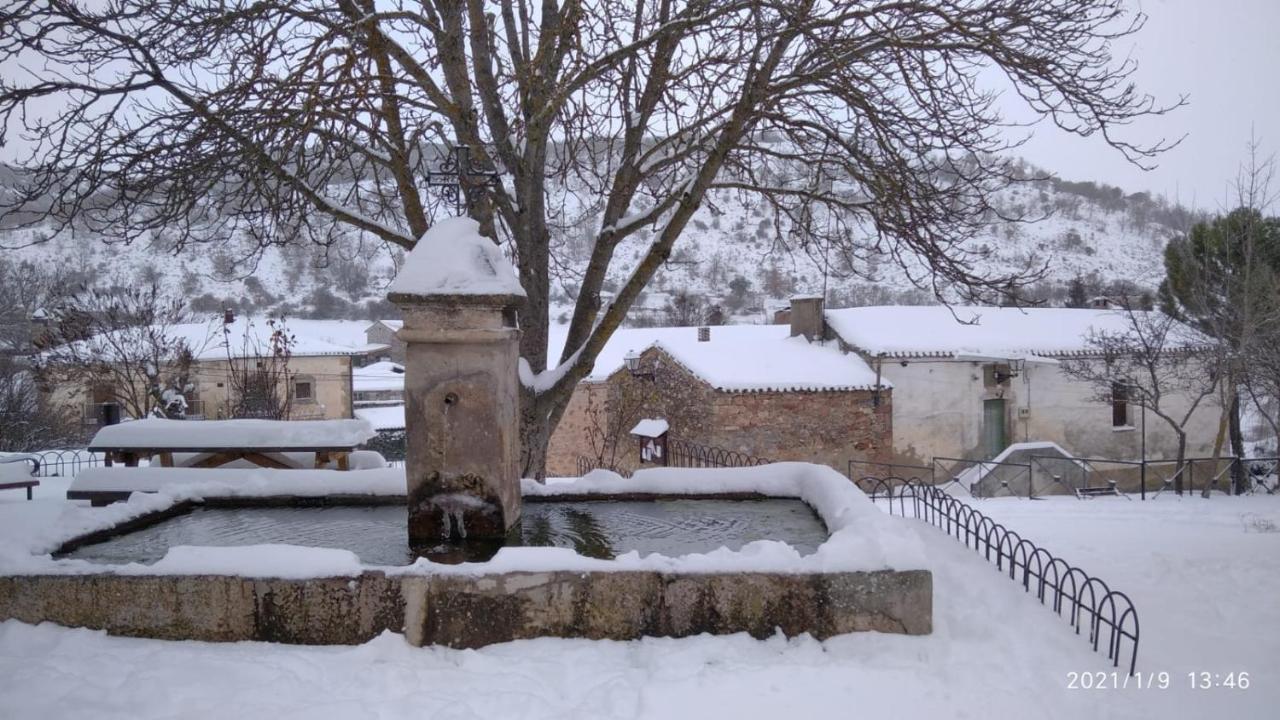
<point>1205,576</point>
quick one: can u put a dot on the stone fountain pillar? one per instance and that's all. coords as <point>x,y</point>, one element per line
<point>459,297</point>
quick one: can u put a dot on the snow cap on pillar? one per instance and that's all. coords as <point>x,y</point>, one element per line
<point>453,259</point>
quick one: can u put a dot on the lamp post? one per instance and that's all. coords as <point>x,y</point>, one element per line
<point>633,359</point>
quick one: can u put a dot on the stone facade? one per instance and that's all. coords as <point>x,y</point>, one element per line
<point>461,416</point>
<point>328,378</point>
<point>468,611</point>
<point>828,427</point>
<point>572,438</point>
<point>939,403</point>
<point>383,332</point>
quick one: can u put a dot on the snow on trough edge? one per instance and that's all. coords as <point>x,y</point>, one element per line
<point>862,538</point>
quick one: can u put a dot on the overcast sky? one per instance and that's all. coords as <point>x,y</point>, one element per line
<point>1223,54</point>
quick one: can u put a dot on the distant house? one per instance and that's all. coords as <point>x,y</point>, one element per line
<point>378,390</point>
<point>969,389</point>
<point>377,384</point>
<point>753,389</point>
<point>383,332</point>
<point>323,355</point>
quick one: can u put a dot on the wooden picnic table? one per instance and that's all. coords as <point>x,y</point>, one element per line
<point>224,441</point>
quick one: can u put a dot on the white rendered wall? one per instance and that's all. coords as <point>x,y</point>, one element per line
<point>937,412</point>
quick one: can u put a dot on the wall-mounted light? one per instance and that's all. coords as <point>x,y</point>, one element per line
<point>633,366</point>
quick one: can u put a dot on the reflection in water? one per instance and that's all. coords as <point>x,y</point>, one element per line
<point>586,535</point>
<point>377,533</point>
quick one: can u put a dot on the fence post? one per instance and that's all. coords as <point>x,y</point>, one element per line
<point>1144,478</point>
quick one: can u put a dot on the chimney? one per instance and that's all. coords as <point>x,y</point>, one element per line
<point>704,334</point>
<point>807,318</point>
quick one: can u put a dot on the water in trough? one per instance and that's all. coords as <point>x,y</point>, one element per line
<point>376,534</point>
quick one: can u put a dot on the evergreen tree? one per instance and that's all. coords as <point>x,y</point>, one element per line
<point>1223,278</point>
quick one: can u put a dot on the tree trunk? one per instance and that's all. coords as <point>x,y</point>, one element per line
<point>1218,439</point>
<point>1181,461</point>
<point>1239,478</point>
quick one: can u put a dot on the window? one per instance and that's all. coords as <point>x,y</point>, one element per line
<point>303,390</point>
<point>1120,404</point>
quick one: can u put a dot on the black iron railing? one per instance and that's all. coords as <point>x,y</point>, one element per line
<point>682,453</point>
<point>1086,600</point>
<point>587,464</point>
<point>65,463</point>
<point>868,468</point>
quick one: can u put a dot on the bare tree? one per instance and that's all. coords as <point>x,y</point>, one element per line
<point>1154,359</point>
<point>685,308</point>
<point>26,423</point>
<point>120,344</point>
<point>29,292</point>
<point>868,128</point>
<point>260,379</point>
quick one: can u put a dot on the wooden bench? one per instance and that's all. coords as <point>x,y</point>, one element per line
<point>28,484</point>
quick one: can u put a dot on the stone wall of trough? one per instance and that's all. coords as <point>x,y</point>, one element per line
<point>472,611</point>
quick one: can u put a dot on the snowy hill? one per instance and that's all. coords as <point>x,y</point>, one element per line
<point>730,255</point>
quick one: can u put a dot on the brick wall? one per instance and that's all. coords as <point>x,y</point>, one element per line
<point>571,438</point>
<point>824,427</point>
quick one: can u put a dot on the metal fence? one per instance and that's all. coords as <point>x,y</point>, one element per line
<point>1044,475</point>
<point>1085,600</point>
<point>682,453</point>
<point>868,468</point>
<point>587,464</point>
<point>1084,476</point>
<point>985,478</point>
<point>1263,474</point>
<point>64,463</point>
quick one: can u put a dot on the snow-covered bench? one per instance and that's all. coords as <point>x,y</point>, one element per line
<point>213,443</point>
<point>16,471</point>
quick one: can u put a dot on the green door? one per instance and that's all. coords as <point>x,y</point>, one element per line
<point>993,428</point>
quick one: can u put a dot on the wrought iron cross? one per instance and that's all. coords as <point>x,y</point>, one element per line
<point>458,178</point>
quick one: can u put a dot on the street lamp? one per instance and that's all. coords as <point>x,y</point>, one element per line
<point>633,366</point>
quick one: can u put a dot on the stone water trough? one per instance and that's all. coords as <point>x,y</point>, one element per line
<point>865,576</point>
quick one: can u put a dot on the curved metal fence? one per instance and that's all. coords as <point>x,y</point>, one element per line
<point>65,463</point>
<point>682,453</point>
<point>587,464</point>
<point>1086,600</point>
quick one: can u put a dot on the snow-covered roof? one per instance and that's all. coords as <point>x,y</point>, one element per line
<point>154,433</point>
<point>989,332</point>
<point>453,258</point>
<point>737,358</point>
<point>379,376</point>
<point>208,341</point>
<point>651,428</point>
<point>383,418</point>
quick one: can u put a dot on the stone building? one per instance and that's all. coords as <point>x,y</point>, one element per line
<point>969,381</point>
<point>755,389</point>
<point>323,354</point>
<point>383,332</point>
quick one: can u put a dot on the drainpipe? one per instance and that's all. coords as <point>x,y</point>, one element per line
<point>875,397</point>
